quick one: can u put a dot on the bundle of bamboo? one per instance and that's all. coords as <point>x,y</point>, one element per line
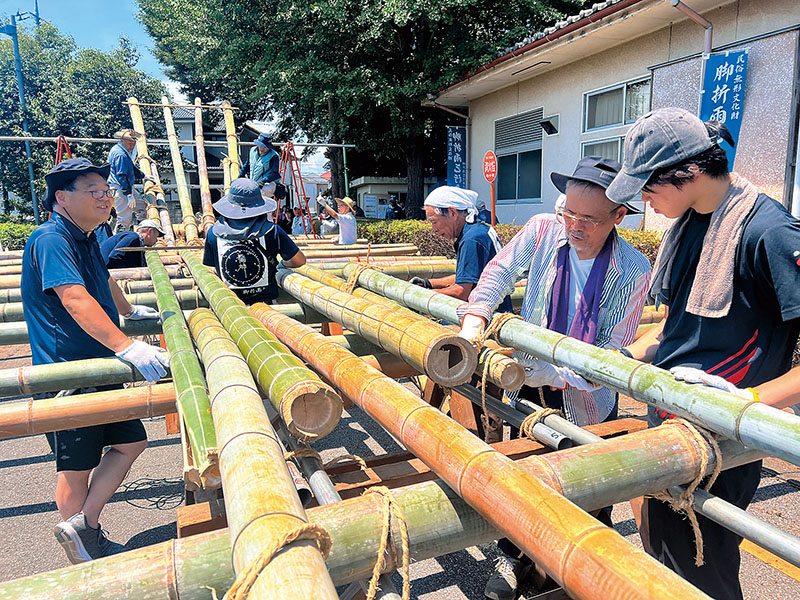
<point>187,375</point>
<point>441,355</point>
<point>189,222</point>
<point>260,498</point>
<point>309,407</point>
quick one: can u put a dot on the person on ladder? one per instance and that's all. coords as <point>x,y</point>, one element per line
<point>127,201</point>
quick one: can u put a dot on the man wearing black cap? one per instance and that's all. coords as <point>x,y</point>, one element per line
<point>583,281</point>
<point>72,308</point>
<point>727,270</point>
<point>244,244</point>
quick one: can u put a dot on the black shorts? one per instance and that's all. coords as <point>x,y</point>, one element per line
<point>81,449</point>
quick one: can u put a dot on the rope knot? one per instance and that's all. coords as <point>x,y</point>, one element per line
<point>528,423</point>
<point>390,507</point>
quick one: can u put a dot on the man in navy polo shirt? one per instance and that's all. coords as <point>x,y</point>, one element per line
<point>146,235</point>
<point>244,244</point>
<point>452,213</point>
<point>72,308</point>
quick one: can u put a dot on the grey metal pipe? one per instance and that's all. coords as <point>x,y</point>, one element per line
<point>154,142</point>
<point>752,423</point>
<point>700,20</point>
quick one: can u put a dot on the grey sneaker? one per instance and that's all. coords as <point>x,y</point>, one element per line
<point>81,542</point>
<point>508,573</point>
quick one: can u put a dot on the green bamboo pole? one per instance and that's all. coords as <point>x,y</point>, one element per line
<point>394,250</point>
<point>189,222</point>
<point>202,168</point>
<point>14,281</point>
<point>154,195</point>
<point>233,143</point>
<point>753,424</point>
<point>260,497</point>
<point>400,270</point>
<point>441,355</point>
<point>187,375</point>
<point>438,521</point>
<point>17,331</point>
<point>141,287</point>
<point>33,417</point>
<point>381,260</point>
<point>310,408</point>
<point>500,369</point>
<point>576,550</point>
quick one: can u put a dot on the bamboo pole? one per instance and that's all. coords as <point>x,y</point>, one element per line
<point>380,260</point>
<point>16,269</point>
<point>261,501</point>
<point>226,174</point>
<point>153,192</point>
<point>500,370</point>
<point>310,408</point>
<point>401,271</point>
<point>587,559</point>
<point>759,426</point>
<point>136,273</point>
<point>189,223</point>
<point>33,417</point>
<point>12,254</point>
<point>142,287</point>
<point>187,376</point>
<point>202,169</point>
<point>233,143</point>
<point>445,358</point>
<point>398,250</point>
<point>322,240</point>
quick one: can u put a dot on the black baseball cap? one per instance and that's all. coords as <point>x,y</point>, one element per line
<point>597,170</point>
<point>65,173</point>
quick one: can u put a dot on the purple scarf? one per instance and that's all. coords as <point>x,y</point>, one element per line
<point>584,324</point>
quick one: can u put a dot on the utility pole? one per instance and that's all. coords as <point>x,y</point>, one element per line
<point>11,30</point>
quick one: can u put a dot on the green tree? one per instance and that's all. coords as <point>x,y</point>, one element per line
<point>69,91</point>
<point>354,70</point>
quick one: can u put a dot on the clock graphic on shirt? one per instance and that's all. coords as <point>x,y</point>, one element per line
<point>243,265</point>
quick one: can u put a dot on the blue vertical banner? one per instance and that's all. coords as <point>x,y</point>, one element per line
<point>457,156</point>
<point>722,96</point>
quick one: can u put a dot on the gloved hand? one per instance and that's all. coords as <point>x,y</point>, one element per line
<point>426,283</point>
<point>131,201</point>
<point>692,375</point>
<point>149,178</point>
<point>149,360</point>
<point>472,327</point>
<point>539,373</point>
<point>140,312</point>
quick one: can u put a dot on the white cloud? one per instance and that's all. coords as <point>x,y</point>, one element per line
<point>174,91</point>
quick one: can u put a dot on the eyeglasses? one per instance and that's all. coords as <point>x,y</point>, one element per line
<point>568,219</point>
<point>98,194</point>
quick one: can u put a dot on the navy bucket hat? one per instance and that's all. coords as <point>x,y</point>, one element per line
<point>264,141</point>
<point>244,201</point>
<point>65,173</point>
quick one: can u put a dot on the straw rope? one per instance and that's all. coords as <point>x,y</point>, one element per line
<point>245,580</point>
<point>352,280</point>
<point>528,423</point>
<point>311,453</point>
<point>390,506</point>
<point>685,500</point>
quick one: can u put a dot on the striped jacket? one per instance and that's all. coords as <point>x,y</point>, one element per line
<point>534,250</point>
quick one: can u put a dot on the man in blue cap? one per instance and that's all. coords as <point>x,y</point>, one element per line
<point>72,308</point>
<point>244,244</point>
<point>264,161</point>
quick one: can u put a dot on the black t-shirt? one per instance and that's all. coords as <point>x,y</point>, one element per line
<point>117,259</point>
<point>753,343</point>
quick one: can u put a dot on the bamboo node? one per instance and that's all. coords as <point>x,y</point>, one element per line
<point>390,507</point>
<point>528,423</point>
<point>685,500</point>
<point>245,580</point>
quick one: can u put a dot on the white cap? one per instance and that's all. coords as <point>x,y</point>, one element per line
<point>150,223</point>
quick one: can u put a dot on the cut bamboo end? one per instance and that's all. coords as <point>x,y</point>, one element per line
<point>504,371</point>
<point>450,361</point>
<point>311,410</point>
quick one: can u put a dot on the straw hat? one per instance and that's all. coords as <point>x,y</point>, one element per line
<point>128,134</point>
<point>348,202</point>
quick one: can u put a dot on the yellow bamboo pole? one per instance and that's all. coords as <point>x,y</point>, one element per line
<point>189,222</point>
<point>202,168</point>
<point>587,559</point>
<point>340,252</point>
<point>261,502</point>
<point>233,142</point>
<point>226,174</point>
<point>154,194</point>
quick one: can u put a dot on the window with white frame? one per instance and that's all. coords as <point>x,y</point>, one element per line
<point>518,146</point>
<point>616,105</point>
<point>607,148</point>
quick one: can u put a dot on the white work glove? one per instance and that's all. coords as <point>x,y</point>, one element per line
<point>472,328</point>
<point>692,375</point>
<point>131,201</point>
<point>539,373</point>
<point>149,178</point>
<point>149,360</point>
<point>140,312</point>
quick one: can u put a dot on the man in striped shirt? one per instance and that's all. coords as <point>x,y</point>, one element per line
<point>583,281</point>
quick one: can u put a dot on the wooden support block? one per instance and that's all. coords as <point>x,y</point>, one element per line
<point>172,423</point>
<point>433,393</point>
<point>330,328</point>
<point>462,411</point>
<point>201,517</point>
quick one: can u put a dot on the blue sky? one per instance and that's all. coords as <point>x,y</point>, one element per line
<point>94,24</point>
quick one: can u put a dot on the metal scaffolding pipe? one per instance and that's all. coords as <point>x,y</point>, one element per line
<point>154,142</point>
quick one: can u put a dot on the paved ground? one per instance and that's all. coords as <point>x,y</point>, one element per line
<point>143,510</point>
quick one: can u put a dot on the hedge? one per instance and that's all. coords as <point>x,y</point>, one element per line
<point>14,235</point>
<point>431,244</point>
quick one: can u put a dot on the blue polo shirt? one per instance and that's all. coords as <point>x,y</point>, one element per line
<point>117,259</point>
<point>474,250</point>
<point>58,253</point>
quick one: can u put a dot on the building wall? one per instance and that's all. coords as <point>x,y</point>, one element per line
<point>561,92</point>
